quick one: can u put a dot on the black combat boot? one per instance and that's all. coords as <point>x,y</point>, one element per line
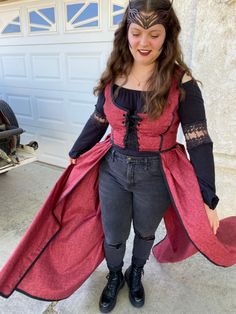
<point>109,295</point>
<point>136,291</point>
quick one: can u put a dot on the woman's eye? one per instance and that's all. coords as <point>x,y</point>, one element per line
<point>154,36</point>
<point>135,34</point>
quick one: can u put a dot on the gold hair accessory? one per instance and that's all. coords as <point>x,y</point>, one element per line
<point>135,16</point>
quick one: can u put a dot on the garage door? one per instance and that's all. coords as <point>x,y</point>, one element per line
<point>52,53</point>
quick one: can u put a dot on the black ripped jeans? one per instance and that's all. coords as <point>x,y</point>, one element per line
<point>130,189</point>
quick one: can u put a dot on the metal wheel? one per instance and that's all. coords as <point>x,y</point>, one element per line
<point>9,114</point>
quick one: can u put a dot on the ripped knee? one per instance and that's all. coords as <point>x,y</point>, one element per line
<point>116,246</point>
<point>145,238</point>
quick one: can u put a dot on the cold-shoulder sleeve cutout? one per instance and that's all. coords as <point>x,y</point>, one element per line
<point>185,78</point>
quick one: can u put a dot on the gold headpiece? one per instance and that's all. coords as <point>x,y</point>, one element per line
<point>135,16</point>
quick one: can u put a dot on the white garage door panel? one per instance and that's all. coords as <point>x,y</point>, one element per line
<point>52,93</point>
<point>46,67</point>
<point>51,119</point>
<point>22,106</point>
<point>14,67</point>
<point>48,76</point>
<point>51,110</point>
<point>79,112</point>
<point>53,147</point>
<point>83,66</point>
<point>54,144</point>
<point>63,67</point>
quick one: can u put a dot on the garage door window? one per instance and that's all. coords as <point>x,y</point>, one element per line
<point>118,8</point>
<point>82,15</point>
<point>12,27</point>
<point>42,20</point>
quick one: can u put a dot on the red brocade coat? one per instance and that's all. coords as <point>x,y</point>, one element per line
<point>64,243</point>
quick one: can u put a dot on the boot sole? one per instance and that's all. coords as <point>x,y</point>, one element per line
<point>138,305</point>
<point>102,310</point>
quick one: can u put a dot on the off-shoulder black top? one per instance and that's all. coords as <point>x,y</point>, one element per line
<point>193,122</point>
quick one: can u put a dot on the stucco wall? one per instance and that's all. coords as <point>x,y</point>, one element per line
<point>209,44</point>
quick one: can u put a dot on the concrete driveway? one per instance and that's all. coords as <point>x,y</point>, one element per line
<point>191,287</point>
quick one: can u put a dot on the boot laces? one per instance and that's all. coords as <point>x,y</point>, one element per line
<point>113,279</point>
<point>137,274</point>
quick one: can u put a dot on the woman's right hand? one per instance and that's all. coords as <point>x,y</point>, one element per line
<point>72,161</point>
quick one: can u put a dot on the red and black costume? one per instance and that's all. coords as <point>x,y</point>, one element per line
<point>192,117</point>
<point>64,243</point>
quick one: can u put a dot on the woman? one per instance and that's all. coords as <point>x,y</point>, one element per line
<point>138,174</point>
<point>145,57</point>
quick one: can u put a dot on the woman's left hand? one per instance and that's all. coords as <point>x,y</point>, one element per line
<point>212,217</point>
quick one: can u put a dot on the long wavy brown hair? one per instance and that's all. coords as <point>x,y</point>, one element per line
<point>169,61</point>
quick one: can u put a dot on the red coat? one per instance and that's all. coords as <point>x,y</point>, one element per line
<point>64,243</point>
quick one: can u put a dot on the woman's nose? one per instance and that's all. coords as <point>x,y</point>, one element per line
<point>144,41</point>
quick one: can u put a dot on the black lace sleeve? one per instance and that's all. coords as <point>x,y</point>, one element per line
<point>198,141</point>
<point>93,130</point>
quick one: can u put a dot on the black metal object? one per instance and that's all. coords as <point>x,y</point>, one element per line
<point>8,121</point>
<point>12,152</point>
<point>33,144</point>
<point>8,113</point>
<point>9,129</point>
<point>8,133</point>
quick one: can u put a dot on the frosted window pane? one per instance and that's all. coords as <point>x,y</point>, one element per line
<point>117,8</point>
<point>36,19</point>
<point>117,19</point>
<point>11,29</point>
<point>72,9</point>
<point>49,13</point>
<point>90,12</point>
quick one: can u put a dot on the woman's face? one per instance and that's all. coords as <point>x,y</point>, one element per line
<point>146,44</point>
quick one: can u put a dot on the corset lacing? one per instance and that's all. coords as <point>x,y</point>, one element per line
<point>131,121</point>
